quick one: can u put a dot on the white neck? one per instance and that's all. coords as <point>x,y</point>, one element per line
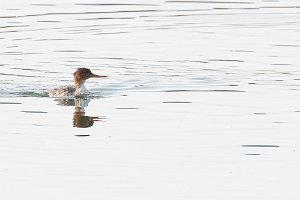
<point>81,90</point>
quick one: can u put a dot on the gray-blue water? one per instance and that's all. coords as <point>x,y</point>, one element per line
<point>202,100</point>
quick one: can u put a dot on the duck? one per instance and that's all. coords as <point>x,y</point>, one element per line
<point>78,89</point>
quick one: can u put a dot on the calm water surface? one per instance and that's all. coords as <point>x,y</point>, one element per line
<point>202,101</point>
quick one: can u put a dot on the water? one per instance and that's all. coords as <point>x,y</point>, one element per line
<point>202,101</point>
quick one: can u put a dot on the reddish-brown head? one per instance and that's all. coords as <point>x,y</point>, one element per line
<point>83,74</point>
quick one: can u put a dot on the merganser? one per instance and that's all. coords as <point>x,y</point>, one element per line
<point>80,76</point>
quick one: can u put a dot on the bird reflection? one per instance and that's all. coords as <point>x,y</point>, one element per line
<point>80,120</point>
